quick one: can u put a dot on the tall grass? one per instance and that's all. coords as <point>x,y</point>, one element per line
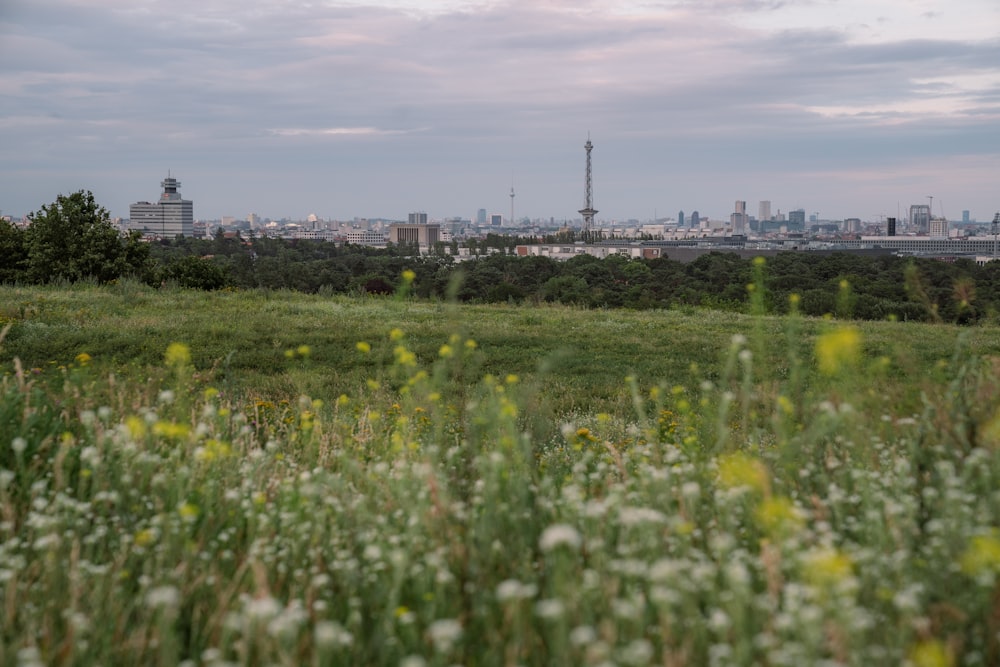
<point>799,505</point>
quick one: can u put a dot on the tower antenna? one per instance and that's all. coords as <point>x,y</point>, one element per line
<point>588,210</point>
<point>512,202</point>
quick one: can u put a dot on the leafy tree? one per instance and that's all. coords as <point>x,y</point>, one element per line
<point>13,253</point>
<point>73,238</point>
<point>195,273</point>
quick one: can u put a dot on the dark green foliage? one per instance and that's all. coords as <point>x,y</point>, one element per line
<point>73,239</point>
<point>13,253</point>
<point>195,272</point>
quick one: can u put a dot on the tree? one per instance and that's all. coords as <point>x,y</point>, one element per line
<point>73,238</point>
<point>195,273</point>
<point>13,253</point>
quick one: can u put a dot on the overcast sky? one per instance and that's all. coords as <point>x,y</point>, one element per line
<point>344,108</point>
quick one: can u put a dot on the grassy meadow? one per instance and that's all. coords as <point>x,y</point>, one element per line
<point>268,478</point>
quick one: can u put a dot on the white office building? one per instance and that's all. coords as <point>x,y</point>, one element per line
<point>169,217</point>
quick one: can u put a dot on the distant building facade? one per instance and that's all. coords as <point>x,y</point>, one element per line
<point>169,217</point>
<point>797,219</point>
<point>423,235</point>
<point>739,219</point>
<point>920,218</point>
<point>764,211</point>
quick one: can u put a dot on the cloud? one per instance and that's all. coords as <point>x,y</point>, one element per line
<point>448,99</point>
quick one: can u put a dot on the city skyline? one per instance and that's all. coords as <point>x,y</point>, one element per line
<point>353,109</point>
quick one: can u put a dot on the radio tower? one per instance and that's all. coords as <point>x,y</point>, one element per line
<point>588,210</point>
<point>511,204</point>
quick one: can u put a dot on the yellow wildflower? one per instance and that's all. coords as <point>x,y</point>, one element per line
<point>83,358</point>
<point>838,349</point>
<point>982,554</point>
<point>739,470</point>
<point>931,653</point>
<point>363,347</point>
<point>178,354</point>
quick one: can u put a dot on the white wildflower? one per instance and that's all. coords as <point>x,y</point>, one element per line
<point>163,597</point>
<point>549,608</point>
<point>444,633</point>
<point>513,590</point>
<point>330,634</point>
<point>634,516</point>
<point>557,535</point>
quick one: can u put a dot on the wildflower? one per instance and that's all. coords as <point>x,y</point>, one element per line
<point>838,349</point>
<point>83,358</point>
<point>303,350</point>
<point>931,653</point>
<point>778,515</point>
<point>558,535</point>
<point>329,634</point>
<point>827,566</point>
<point>144,537</point>
<point>444,633</point>
<point>178,354</point>
<point>446,351</point>
<point>18,444</point>
<point>550,608</point>
<point>513,590</point>
<point>409,276</point>
<point>136,427</point>
<point>396,334</point>
<point>188,511</point>
<point>982,555</point>
<point>741,471</point>
<point>163,597</point>
<point>363,347</point>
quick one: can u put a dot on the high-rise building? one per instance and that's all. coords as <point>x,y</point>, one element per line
<point>764,211</point>
<point>920,218</point>
<point>695,220</point>
<point>496,220</point>
<point>739,219</point>
<point>938,228</point>
<point>481,216</point>
<point>965,217</point>
<point>680,218</point>
<point>797,219</point>
<point>169,217</point>
<point>418,219</point>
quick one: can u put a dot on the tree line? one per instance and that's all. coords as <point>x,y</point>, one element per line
<point>73,239</point>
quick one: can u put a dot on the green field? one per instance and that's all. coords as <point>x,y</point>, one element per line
<point>276,478</point>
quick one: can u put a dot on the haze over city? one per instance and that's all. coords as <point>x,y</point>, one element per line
<point>849,108</point>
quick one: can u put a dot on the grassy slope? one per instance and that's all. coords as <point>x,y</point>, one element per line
<point>577,358</point>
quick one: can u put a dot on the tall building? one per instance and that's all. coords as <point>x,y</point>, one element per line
<point>797,219</point>
<point>739,219</point>
<point>169,217</point>
<point>418,219</point>
<point>920,218</point>
<point>695,220</point>
<point>938,228</point>
<point>680,218</point>
<point>481,216</point>
<point>764,211</point>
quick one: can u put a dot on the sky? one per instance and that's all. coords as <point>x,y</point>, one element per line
<point>378,108</point>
